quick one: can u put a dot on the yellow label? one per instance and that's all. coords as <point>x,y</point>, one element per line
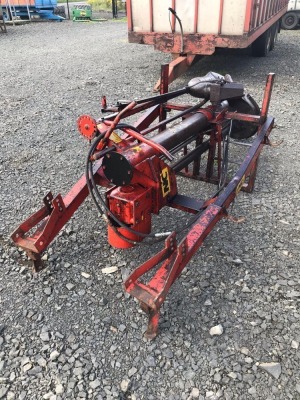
<point>136,149</point>
<point>165,182</point>
<point>114,137</point>
<point>240,185</point>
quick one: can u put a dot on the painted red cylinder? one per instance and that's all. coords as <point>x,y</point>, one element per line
<point>117,241</point>
<point>132,205</point>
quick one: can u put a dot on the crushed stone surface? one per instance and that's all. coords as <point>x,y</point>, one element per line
<point>70,332</point>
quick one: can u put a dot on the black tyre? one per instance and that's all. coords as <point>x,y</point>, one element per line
<point>290,20</point>
<point>274,35</point>
<point>261,46</point>
<point>60,10</point>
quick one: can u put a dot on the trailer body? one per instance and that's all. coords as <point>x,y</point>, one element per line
<point>206,24</point>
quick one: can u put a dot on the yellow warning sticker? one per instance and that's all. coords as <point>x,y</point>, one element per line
<point>240,185</point>
<point>114,137</point>
<point>165,182</point>
<point>136,149</point>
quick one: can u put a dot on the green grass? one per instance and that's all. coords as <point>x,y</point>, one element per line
<point>105,5</point>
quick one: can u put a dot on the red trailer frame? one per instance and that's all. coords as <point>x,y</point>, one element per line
<point>262,23</point>
<point>260,16</point>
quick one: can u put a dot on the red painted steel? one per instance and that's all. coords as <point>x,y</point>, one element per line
<point>151,15</point>
<point>129,15</point>
<point>148,183</point>
<point>177,67</point>
<point>221,16</point>
<point>173,16</point>
<point>248,19</point>
<point>267,96</point>
<point>196,15</point>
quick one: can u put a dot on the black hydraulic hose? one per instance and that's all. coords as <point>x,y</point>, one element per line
<point>180,24</point>
<point>91,184</point>
<point>177,116</point>
<point>121,224</point>
<point>90,180</point>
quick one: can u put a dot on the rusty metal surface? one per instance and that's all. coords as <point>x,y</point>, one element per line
<point>197,44</point>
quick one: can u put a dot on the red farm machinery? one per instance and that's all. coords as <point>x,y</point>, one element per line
<point>138,165</point>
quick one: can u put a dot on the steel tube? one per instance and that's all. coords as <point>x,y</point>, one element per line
<point>191,156</point>
<point>191,126</point>
<point>170,138</point>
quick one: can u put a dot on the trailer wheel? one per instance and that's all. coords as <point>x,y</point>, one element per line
<point>274,35</point>
<point>61,11</point>
<point>290,21</point>
<point>261,46</point>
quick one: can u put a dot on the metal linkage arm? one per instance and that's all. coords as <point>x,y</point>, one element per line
<point>175,258</point>
<point>49,220</point>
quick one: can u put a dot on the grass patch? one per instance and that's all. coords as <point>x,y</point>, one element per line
<point>123,19</point>
<point>106,5</point>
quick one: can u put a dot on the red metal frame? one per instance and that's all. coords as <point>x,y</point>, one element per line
<point>153,186</point>
<point>249,13</point>
<point>220,16</point>
<point>177,67</point>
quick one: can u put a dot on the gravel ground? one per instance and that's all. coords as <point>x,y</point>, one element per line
<point>69,335</point>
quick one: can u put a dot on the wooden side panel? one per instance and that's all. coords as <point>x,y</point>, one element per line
<point>186,12</point>
<point>208,16</point>
<point>141,15</point>
<point>161,21</point>
<point>233,19</point>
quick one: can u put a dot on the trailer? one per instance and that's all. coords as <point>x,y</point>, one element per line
<point>187,29</point>
<point>292,18</point>
<point>28,9</point>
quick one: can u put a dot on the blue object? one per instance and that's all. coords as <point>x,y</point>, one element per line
<point>45,9</point>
